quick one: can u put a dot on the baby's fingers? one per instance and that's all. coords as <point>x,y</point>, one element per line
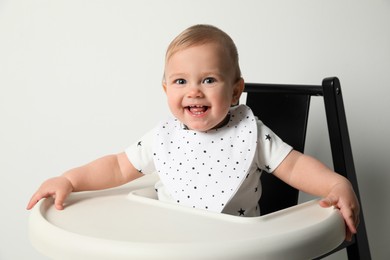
<point>328,202</point>
<point>351,222</point>
<point>36,198</point>
<point>31,203</point>
<point>350,214</point>
<point>351,219</point>
<point>58,188</point>
<point>59,200</point>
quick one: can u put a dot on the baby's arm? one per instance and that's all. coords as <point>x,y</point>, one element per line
<point>311,176</point>
<point>106,172</point>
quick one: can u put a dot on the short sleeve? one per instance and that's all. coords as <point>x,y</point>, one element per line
<point>140,154</point>
<point>271,149</point>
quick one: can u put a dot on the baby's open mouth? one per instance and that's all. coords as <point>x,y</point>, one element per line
<point>197,109</point>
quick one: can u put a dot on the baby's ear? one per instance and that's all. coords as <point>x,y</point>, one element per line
<point>164,87</point>
<point>237,91</point>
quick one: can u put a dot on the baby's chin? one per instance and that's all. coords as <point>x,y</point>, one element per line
<point>204,127</point>
<point>200,127</point>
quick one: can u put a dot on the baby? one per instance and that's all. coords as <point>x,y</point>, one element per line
<point>211,153</point>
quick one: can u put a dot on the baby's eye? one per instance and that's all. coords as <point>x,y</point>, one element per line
<point>180,81</point>
<point>209,80</point>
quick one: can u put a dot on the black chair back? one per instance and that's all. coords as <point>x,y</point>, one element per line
<point>285,108</point>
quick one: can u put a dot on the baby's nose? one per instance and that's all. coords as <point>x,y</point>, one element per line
<point>195,92</point>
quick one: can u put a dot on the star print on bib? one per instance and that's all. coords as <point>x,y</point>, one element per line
<point>205,169</point>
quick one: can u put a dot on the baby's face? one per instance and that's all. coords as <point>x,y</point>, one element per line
<point>200,87</point>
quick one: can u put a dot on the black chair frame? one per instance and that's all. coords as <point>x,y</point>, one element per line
<point>285,109</point>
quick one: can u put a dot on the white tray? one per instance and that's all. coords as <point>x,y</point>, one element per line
<point>129,223</point>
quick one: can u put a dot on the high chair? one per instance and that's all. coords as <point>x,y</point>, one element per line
<point>285,109</point>
<point>129,222</point>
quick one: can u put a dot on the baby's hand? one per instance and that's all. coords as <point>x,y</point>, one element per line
<point>343,197</point>
<point>59,188</point>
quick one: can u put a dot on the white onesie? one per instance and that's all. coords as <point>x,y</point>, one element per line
<point>218,170</point>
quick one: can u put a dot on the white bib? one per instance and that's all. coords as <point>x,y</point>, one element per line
<point>205,169</point>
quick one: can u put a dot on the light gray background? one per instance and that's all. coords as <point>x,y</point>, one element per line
<point>80,79</point>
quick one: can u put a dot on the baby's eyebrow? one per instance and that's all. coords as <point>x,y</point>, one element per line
<point>176,76</point>
<point>213,73</point>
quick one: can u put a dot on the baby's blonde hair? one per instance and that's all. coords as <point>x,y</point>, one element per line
<point>202,34</point>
